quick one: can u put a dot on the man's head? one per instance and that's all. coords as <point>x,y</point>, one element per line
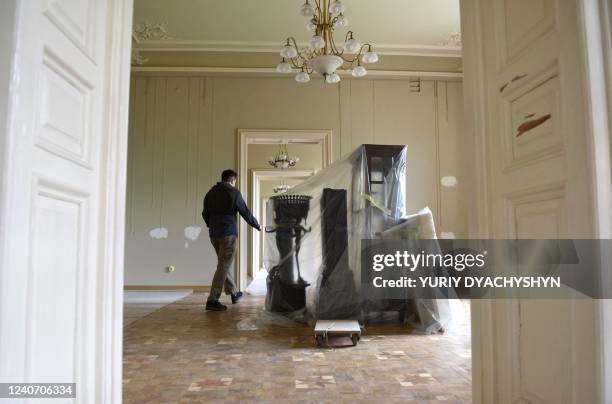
<point>229,176</point>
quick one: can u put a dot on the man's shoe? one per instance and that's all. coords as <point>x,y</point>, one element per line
<point>236,296</point>
<point>215,306</point>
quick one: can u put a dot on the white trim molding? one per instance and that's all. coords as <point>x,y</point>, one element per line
<point>271,72</point>
<point>172,45</point>
<point>245,137</point>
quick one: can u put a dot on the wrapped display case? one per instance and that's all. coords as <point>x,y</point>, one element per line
<point>313,241</point>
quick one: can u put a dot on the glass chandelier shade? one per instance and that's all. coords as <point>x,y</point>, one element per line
<point>284,67</point>
<point>317,42</point>
<point>307,10</point>
<point>311,25</point>
<point>323,55</point>
<point>341,21</point>
<point>302,77</point>
<point>288,52</point>
<point>359,71</point>
<point>332,78</point>
<point>352,46</point>
<point>336,7</point>
<point>369,57</point>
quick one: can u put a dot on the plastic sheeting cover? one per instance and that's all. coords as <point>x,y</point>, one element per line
<point>313,241</point>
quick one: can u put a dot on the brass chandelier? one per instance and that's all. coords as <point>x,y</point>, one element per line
<point>323,55</point>
<point>282,159</point>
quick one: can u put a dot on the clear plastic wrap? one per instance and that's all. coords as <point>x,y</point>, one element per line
<point>313,241</point>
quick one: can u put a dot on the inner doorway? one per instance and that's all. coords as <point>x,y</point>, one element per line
<point>267,183</point>
<point>255,148</point>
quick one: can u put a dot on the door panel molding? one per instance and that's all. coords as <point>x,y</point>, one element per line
<point>525,358</point>
<point>540,16</point>
<point>534,98</point>
<point>65,133</point>
<point>79,29</point>
<point>48,198</point>
<point>540,201</point>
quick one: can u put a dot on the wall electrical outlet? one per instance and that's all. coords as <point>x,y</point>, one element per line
<point>170,269</point>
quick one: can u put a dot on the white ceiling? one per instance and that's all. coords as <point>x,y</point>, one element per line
<point>388,24</point>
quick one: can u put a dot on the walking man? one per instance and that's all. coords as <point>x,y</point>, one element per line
<point>220,206</point>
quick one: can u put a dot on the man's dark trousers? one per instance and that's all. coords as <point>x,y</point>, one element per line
<point>223,279</point>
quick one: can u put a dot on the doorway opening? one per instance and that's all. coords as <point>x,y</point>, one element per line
<point>254,148</point>
<point>265,184</point>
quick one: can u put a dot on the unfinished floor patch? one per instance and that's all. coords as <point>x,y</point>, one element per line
<point>210,384</point>
<point>315,382</point>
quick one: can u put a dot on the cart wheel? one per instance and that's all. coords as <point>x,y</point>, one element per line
<point>319,339</point>
<point>355,339</point>
<point>402,316</point>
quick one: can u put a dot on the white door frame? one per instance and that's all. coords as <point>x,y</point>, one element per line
<point>596,24</point>
<point>119,45</point>
<point>253,197</point>
<point>483,383</point>
<point>245,137</point>
<point>597,15</point>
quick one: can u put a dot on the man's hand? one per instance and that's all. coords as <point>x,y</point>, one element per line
<point>258,228</point>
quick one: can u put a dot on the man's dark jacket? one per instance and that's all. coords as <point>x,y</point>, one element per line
<point>221,204</point>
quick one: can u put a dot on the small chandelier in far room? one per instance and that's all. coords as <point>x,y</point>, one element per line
<point>323,55</point>
<point>281,188</point>
<point>282,159</point>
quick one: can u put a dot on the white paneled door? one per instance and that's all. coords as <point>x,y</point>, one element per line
<point>528,64</point>
<point>62,196</point>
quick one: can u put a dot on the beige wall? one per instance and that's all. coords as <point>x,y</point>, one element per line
<point>183,134</point>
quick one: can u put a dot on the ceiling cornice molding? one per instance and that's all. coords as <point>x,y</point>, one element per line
<point>271,72</point>
<point>273,47</point>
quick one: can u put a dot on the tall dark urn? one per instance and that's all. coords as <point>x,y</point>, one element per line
<point>286,288</point>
